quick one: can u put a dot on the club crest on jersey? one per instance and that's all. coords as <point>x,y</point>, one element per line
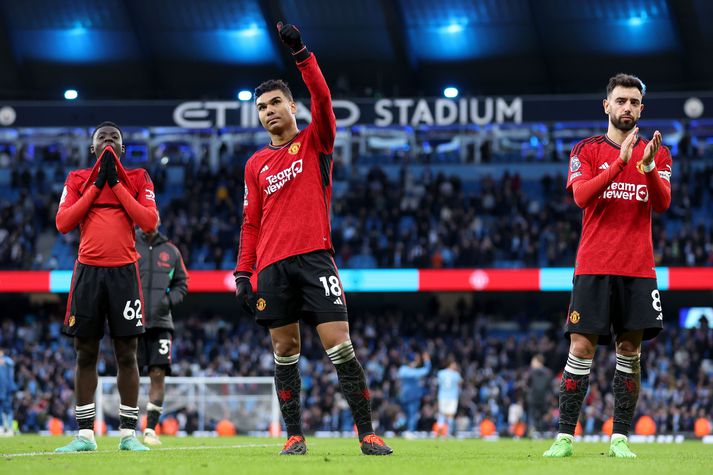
<point>575,164</point>
<point>294,148</point>
<point>261,304</point>
<point>574,317</point>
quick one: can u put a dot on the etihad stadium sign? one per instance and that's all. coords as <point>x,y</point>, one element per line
<point>382,112</point>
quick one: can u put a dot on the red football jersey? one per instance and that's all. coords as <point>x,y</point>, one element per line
<point>288,189</point>
<point>106,217</point>
<point>616,225</point>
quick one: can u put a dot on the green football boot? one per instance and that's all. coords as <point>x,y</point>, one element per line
<point>562,447</point>
<point>132,443</point>
<point>619,448</point>
<point>78,444</point>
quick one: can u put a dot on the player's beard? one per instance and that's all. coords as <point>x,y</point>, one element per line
<point>622,125</point>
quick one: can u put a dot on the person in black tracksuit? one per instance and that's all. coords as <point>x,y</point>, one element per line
<point>164,281</point>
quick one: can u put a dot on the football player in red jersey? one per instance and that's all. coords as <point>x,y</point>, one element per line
<point>105,201</point>
<point>286,239</point>
<point>618,179</point>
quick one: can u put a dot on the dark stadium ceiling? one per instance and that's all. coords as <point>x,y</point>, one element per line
<point>145,49</point>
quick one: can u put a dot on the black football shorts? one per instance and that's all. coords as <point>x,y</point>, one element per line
<point>155,347</point>
<point>303,287</point>
<point>606,304</point>
<point>98,294</point>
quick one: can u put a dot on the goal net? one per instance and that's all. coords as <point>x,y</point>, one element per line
<point>199,403</point>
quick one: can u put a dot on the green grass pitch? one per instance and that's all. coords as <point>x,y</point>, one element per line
<point>243,455</point>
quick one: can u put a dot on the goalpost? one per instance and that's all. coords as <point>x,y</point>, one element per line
<point>250,403</point>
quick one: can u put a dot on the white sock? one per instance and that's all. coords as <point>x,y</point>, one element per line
<point>565,436</point>
<point>127,433</point>
<point>87,434</point>
<point>576,365</point>
<point>615,437</point>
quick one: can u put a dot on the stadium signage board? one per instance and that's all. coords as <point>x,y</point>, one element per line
<point>383,112</point>
<point>393,280</point>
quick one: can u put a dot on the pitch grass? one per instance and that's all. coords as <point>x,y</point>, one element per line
<point>244,455</point>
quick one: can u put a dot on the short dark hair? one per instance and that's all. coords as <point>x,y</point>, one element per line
<point>107,123</point>
<point>273,85</point>
<point>625,80</point>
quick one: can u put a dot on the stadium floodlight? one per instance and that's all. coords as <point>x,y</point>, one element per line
<point>250,31</point>
<point>71,94</point>
<point>453,28</point>
<point>245,95</point>
<point>636,21</point>
<point>450,92</point>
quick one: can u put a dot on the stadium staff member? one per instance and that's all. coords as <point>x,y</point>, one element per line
<point>164,280</point>
<point>286,239</point>
<point>105,201</point>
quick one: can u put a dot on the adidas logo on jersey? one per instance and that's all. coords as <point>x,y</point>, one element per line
<point>338,301</point>
<point>139,323</point>
<point>604,166</point>
<point>264,169</point>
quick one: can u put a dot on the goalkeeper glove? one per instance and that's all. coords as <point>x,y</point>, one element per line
<point>244,291</point>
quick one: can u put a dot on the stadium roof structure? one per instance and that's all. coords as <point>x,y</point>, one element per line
<point>144,49</point>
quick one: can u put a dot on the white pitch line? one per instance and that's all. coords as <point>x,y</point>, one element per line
<point>162,449</point>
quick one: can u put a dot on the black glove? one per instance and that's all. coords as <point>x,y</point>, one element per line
<point>291,36</point>
<point>244,291</point>
<point>112,176</point>
<point>102,175</point>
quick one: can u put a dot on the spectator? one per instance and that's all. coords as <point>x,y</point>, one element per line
<point>411,377</point>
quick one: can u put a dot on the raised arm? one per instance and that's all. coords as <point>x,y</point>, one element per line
<point>584,186</point>
<point>73,207</point>
<point>585,192</point>
<point>323,119</point>
<point>658,180</point>
<point>142,209</point>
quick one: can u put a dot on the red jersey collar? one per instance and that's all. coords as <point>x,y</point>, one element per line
<point>616,145</point>
<point>278,147</point>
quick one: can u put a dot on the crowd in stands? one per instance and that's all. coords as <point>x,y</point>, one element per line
<point>677,367</point>
<point>418,219</point>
